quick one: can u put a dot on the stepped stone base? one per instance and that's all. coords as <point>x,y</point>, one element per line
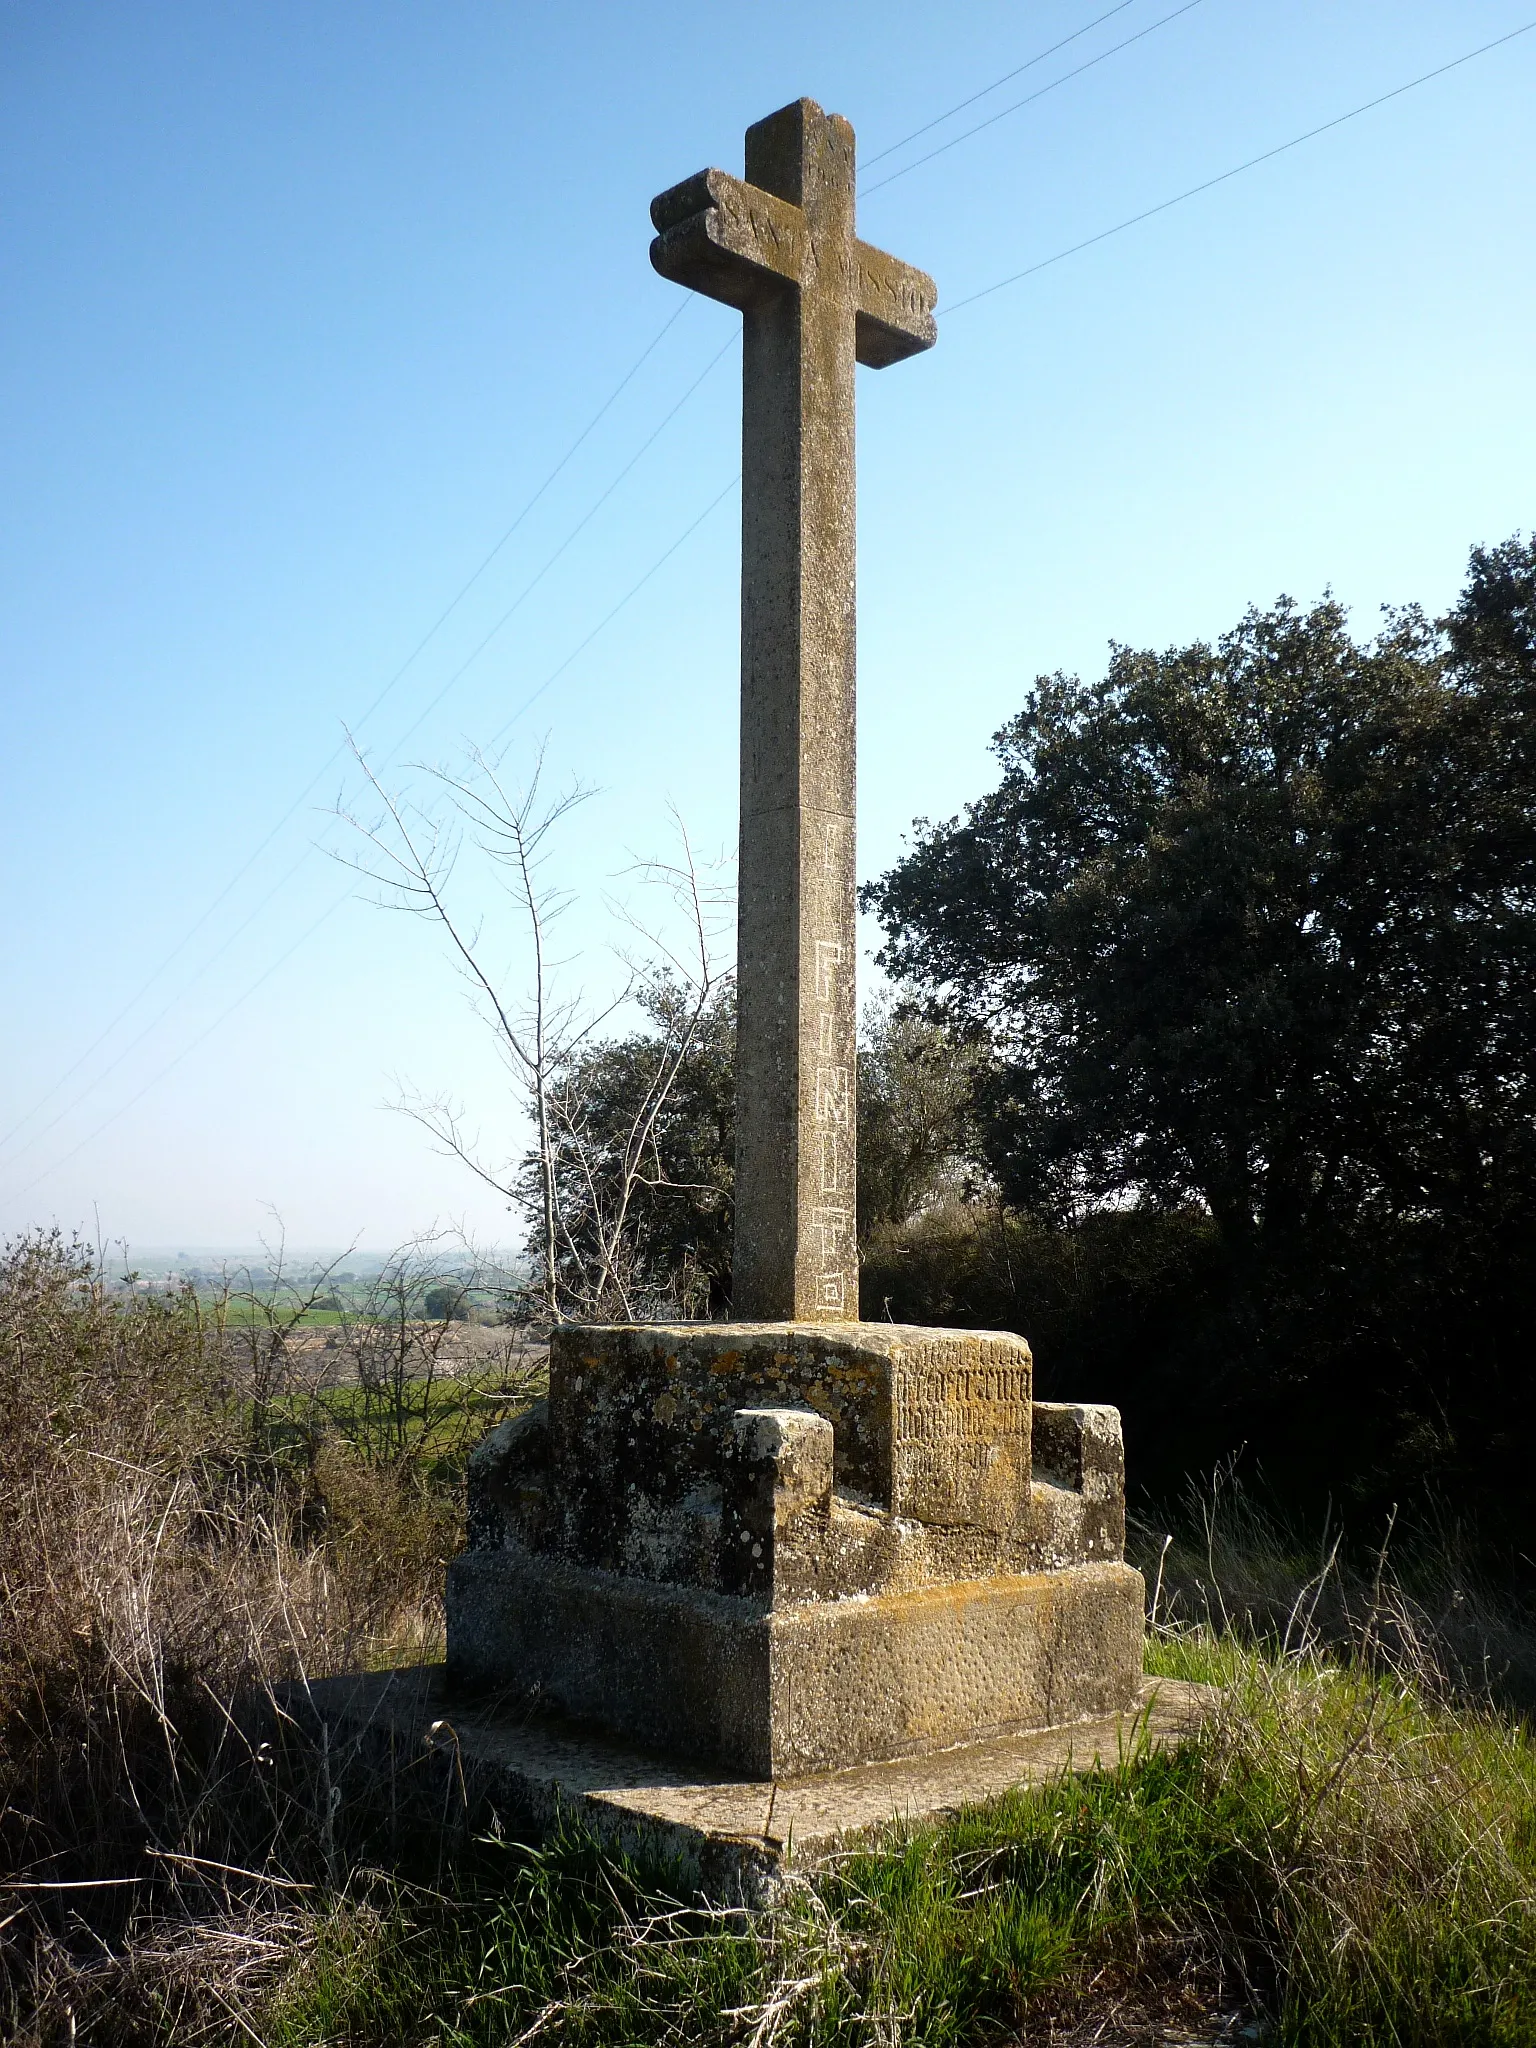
<point>792,1547</point>
<point>774,1692</point>
<point>727,1835</point>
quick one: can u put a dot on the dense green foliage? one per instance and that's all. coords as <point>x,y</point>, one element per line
<point>913,1097</point>
<point>1216,1064</point>
<point>673,1191</point>
<point>1246,936</point>
<point>913,1116</point>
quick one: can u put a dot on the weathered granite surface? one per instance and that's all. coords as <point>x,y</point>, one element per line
<point>809,1687</point>
<point>814,299</point>
<point>731,1835</point>
<point>795,1547</point>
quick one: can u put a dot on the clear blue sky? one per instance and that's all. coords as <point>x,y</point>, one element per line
<point>303,303</point>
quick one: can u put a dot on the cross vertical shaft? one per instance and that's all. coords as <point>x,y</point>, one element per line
<point>815,300</point>
<point>796,1020</point>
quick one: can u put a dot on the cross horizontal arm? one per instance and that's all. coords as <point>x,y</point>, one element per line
<point>726,238</point>
<point>895,308</point>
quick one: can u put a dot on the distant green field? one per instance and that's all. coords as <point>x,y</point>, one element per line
<point>433,1423</point>
<point>246,1315</point>
<point>242,1314</point>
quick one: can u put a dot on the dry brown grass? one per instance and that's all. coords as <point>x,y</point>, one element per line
<point>1230,1563</point>
<point>159,1581</point>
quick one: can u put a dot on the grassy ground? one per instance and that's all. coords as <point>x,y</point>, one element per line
<point>1346,1855</point>
<point>346,1436</point>
<point>1344,1858</point>
<point>1334,1862</point>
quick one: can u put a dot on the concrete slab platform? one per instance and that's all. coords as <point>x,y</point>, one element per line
<point>729,1835</point>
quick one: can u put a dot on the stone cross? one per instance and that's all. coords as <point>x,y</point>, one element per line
<point>781,247</point>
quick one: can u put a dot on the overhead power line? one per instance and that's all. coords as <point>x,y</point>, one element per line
<point>207,1032</point>
<point>287,954</point>
<point>602,412</point>
<point>337,753</point>
<point>1030,98</point>
<point>160,1015</point>
<point>973,298</point>
<point>1252,163</point>
<point>469,584</point>
<point>96,1081</point>
<point>585,520</point>
<point>996,86</point>
<point>633,591</point>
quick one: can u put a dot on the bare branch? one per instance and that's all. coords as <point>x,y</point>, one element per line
<point>676,971</point>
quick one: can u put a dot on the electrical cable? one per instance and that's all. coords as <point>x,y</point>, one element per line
<point>161,1014</point>
<point>1030,98</point>
<point>208,1031</point>
<point>1237,170</point>
<point>309,789</point>
<point>527,591</point>
<point>586,518</point>
<point>1148,213</point>
<point>634,590</point>
<point>1028,65</point>
<point>491,556</point>
<point>607,405</point>
<point>339,751</point>
<point>331,909</point>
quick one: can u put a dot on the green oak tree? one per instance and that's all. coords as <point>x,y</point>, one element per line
<point>1248,931</point>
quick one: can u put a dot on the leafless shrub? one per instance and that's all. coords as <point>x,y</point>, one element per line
<point>583,1188</point>
<point>179,1976</point>
<point>160,1583</point>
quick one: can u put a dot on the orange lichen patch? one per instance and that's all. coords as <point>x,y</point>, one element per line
<point>922,1669</point>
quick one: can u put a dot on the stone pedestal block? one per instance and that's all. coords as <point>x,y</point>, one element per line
<point>779,1692</point>
<point>457,1764</point>
<point>792,1547</point>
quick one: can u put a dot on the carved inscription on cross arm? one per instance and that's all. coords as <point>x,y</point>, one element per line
<point>727,238</point>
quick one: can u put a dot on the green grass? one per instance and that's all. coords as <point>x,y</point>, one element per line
<point>1199,1655</point>
<point>432,1427</point>
<point>1342,1851</point>
<point>435,1417</point>
<point>1355,1863</point>
<point>566,1927</point>
<point>949,1934</point>
<point>239,1314</point>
